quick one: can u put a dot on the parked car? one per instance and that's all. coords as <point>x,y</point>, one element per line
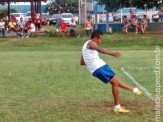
<point>47,18</point>
<point>155,18</point>
<point>27,16</point>
<point>76,18</point>
<point>103,19</point>
<point>52,20</point>
<point>117,18</point>
<point>128,17</point>
<point>44,20</point>
<point>18,16</point>
<point>67,17</point>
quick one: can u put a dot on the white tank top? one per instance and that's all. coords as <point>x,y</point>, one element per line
<point>91,58</point>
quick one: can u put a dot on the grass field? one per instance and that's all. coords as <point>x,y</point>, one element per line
<point>41,80</point>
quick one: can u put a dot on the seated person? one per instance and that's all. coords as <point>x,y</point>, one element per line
<point>72,28</point>
<point>88,25</point>
<point>29,27</point>
<point>20,27</point>
<point>2,27</point>
<point>63,29</point>
<point>144,24</point>
<point>135,23</point>
<point>11,27</point>
<point>126,24</point>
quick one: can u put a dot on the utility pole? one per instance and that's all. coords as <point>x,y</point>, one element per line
<point>79,12</point>
<point>85,9</point>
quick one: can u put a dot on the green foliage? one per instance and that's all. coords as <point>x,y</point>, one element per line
<point>4,12</point>
<point>65,6</point>
<point>113,5</point>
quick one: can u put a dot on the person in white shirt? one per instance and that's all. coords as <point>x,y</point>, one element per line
<point>99,69</point>
<point>2,27</point>
<point>21,25</point>
<point>33,28</point>
<point>72,28</point>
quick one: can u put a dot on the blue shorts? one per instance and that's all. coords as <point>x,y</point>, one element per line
<point>72,29</point>
<point>160,16</point>
<point>104,73</point>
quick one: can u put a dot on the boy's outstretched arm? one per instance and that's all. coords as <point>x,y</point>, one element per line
<point>104,51</point>
<point>82,61</point>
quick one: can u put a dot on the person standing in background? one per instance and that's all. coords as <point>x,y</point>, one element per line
<point>58,20</point>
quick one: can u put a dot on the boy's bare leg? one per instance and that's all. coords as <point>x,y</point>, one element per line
<point>84,31</point>
<point>115,90</point>
<point>75,33</point>
<point>136,29</point>
<point>69,34</point>
<point>123,85</point>
<point>61,34</point>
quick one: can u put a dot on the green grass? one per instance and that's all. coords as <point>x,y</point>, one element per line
<point>41,79</point>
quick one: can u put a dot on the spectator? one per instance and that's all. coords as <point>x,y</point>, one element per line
<point>2,27</point>
<point>13,18</point>
<point>88,25</point>
<point>160,13</point>
<point>126,24</point>
<point>132,15</point>
<point>135,23</point>
<point>144,24</point>
<point>29,27</point>
<point>37,19</point>
<point>11,27</point>
<point>58,20</point>
<point>21,25</point>
<point>72,28</point>
<point>63,29</point>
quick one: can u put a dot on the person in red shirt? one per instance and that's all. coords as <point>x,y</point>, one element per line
<point>132,15</point>
<point>13,18</point>
<point>63,29</point>
<point>27,28</point>
<point>37,19</point>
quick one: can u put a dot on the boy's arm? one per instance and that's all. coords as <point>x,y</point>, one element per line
<point>94,46</point>
<point>82,61</point>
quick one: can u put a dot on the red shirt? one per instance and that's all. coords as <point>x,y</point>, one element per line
<point>132,15</point>
<point>28,25</point>
<point>36,18</point>
<point>14,19</point>
<point>63,25</point>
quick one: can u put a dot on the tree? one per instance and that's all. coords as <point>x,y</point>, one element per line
<point>113,5</point>
<point>70,6</point>
<point>4,12</point>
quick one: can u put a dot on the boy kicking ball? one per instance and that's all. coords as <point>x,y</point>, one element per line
<point>101,70</point>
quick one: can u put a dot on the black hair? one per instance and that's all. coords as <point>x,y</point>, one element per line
<point>145,16</point>
<point>125,16</point>
<point>96,34</point>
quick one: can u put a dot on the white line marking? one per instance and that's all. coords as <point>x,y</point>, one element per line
<point>142,67</point>
<point>138,84</point>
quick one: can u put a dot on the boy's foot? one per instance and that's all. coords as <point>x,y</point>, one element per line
<point>121,110</point>
<point>137,91</point>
